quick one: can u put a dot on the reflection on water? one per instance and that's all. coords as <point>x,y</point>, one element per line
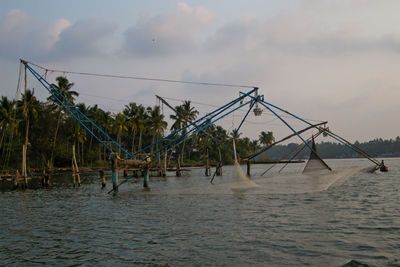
<point>292,219</point>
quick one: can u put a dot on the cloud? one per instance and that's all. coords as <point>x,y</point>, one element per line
<point>168,33</point>
<point>83,38</point>
<point>22,36</point>
<point>15,30</point>
<point>50,36</point>
<point>316,28</point>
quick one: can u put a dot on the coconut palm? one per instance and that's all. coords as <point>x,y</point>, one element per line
<point>120,124</point>
<point>63,86</point>
<point>29,107</point>
<point>185,114</point>
<point>7,118</point>
<point>266,138</point>
<point>137,116</point>
<point>156,123</point>
<point>78,136</point>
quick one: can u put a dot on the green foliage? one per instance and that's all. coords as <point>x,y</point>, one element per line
<point>51,131</point>
<point>375,148</point>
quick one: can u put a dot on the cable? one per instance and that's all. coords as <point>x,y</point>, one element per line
<point>140,78</point>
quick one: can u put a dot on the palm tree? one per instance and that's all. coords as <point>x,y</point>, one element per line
<point>266,138</point>
<point>7,120</point>
<point>189,113</point>
<point>104,121</point>
<point>156,122</point>
<point>137,117</point>
<point>63,86</point>
<point>185,114</point>
<point>29,106</point>
<point>119,125</point>
<point>78,135</point>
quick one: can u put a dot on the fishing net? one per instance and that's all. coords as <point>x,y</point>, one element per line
<point>240,180</point>
<point>315,163</point>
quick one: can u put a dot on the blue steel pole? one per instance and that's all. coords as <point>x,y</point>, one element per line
<point>192,123</point>
<point>240,125</point>
<point>212,122</point>
<point>287,124</point>
<point>198,130</point>
<point>198,120</point>
<point>41,79</point>
<point>331,135</point>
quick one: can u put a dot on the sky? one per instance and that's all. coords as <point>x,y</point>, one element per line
<point>334,61</point>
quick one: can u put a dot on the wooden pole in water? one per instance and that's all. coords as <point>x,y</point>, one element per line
<point>208,171</point>
<point>218,171</point>
<point>178,167</point>
<point>103,179</point>
<point>75,168</point>
<point>165,163</point>
<point>114,172</point>
<point>15,180</point>
<point>146,176</point>
<point>73,165</point>
<point>248,167</point>
<point>23,167</point>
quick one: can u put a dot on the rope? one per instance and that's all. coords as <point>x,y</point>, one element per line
<point>140,78</point>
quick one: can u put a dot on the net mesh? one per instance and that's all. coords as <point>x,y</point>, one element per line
<point>315,163</point>
<point>240,179</point>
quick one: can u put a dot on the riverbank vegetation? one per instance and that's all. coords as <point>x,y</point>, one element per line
<point>50,131</point>
<point>376,148</point>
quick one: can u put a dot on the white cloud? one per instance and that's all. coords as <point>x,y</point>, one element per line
<point>167,33</point>
<point>83,38</point>
<point>15,30</point>
<point>51,35</point>
<point>333,60</point>
<point>22,36</point>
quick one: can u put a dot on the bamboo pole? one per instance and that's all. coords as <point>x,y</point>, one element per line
<point>114,172</point>
<point>23,167</point>
<point>178,167</point>
<point>75,167</point>
<point>73,172</point>
<point>103,179</point>
<point>219,166</point>
<point>146,176</point>
<point>165,163</point>
<point>208,170</point>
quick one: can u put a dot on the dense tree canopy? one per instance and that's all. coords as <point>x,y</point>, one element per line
<point>50,132</point>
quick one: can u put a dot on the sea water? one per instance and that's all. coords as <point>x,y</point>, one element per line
<point>287,219</point>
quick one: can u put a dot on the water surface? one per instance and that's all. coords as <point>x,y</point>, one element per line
<point>184,221</point>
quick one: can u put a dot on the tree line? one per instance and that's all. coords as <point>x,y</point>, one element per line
<point>49,132</point>
<point>376,148</point>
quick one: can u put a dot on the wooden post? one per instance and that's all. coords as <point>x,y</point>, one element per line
<point>15,180</point>
<point>208,168</point>
<point>45,179</point>
<point>114,172</point>
<point>146,176</point>
<point>160,168</point>
<point>75,169</point>
<point>219,166</point>
<point>178,167</point>
<point>248,167</point>
<point>165,164</point>
<point>103,179</point>
<point>23,167</point>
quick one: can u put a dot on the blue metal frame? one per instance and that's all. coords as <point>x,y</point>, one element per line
<point>331,135</point>
<point>50,88</point>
